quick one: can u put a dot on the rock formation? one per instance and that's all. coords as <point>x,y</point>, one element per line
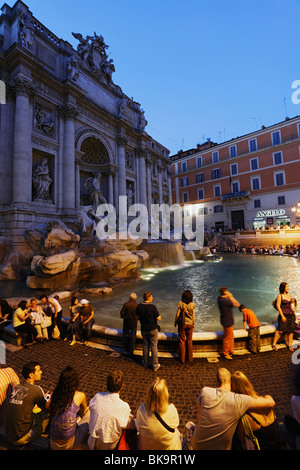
<point>68,261</point>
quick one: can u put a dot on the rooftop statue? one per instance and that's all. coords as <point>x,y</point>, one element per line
<point>92,53</point>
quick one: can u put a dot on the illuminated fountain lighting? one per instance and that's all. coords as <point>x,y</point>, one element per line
<point>296,210</point>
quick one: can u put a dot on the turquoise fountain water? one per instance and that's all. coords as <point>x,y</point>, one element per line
<point>253,280</point>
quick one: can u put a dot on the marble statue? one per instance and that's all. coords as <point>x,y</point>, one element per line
<point>130,195</point>
<point>43,121</point>
<point>92,53</point>
<point>72,71</point>
<point>92,184</point>
<point>143,122</point>
<point>42,181</point>
<point>26,30</point>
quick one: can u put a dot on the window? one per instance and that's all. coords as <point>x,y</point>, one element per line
<point>184,182</point>
<point>218,209</point>
<point>199,162</point>
<point>257,203</point>
<point>252,145</point>
<point>201,193</point>
<point>234,169</point>
<point>255,183</point>
<point>200,178</point>
<point>277,158</point>
<point>215,157</point>
<point>217,191</point>
<point>216,173</point>
<point>235,187</point>
<point>202,211</point>
<point>281,200</point>
<point>183,166</point>
<point>276,139</point>
<point>185,197</point>
<point>176,168</point>
<point>254,164</point>
<point>279,179</point>
<point>298,130</point>
<point>232,151</point>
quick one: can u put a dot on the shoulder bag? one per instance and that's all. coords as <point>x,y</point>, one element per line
<point>163,422</point>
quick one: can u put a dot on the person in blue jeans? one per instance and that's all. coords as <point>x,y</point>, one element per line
<point>148,315</point>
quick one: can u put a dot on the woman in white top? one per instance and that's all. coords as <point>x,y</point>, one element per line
<point>38,318</point>
<point>157,421</point>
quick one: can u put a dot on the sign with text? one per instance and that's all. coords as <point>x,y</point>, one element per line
<point>271,213</point>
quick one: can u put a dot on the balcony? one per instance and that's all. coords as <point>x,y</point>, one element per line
<point>239,196</point>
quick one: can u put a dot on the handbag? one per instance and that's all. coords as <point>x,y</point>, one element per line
<point>55,332</point>
<point>251,441</point>
<point>37,317</point>
<point>268,436</point>
<point>46,322</point>
<point>128,440</point>
<point>163,422</point>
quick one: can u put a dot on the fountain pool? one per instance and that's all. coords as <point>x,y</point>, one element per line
<point>253,280</point>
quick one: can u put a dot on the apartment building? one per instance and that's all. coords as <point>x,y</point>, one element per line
<point>249,182</point>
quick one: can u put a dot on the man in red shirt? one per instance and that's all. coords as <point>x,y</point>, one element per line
<point>249,317</point>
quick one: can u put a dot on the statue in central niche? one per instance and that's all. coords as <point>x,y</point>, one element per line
<point>92,184</point>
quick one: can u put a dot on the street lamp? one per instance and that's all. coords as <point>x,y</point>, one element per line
<point>296,210</point>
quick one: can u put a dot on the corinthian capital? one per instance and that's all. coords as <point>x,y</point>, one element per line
<point>141,152</point>
<point>121,140</point>
<point>22,86</point>
<point>68,111</point>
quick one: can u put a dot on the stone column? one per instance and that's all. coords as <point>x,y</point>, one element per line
<point>69,112</point>
<point>160,188</point>
<point>169,173</point>
<point>77,183</point>
<point>121,141</point>
<point>110,173</point>
<point>22,153</point>
<point>149,182</point>
<point>142,154</point>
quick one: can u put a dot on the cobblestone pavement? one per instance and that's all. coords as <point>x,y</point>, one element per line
<point>271,373</point>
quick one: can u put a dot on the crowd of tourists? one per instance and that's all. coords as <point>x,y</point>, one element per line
<point>281,250</point>
<point>41,320</point>
<point>231,416</point>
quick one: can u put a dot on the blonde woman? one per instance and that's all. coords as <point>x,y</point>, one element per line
<point>38,318</point>
<point>157,420</point>
<point>262,422</point>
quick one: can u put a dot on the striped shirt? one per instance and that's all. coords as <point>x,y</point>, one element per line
<point>8,380</point>
<point>109,416</point>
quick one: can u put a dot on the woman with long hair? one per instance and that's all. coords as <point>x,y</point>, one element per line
<point>157,420</point>
<point>185,319</point>
<point>262,422</point>
<point>286,316</point>
<point>66,406</point>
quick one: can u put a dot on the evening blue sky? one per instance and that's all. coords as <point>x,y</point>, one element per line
<point>199,68</point>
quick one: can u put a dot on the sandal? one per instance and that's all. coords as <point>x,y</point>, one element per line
<point>274,348</point>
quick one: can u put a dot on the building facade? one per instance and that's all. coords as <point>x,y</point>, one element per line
<point>250,182</point>
<point>70,137</point>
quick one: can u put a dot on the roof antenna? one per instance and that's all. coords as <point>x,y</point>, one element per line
<point>284,102</point>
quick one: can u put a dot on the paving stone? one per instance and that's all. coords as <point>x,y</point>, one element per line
<point>270,372</point>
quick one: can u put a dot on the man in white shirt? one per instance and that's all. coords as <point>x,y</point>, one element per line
<point>219,413</point>
<point>109,415</point>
